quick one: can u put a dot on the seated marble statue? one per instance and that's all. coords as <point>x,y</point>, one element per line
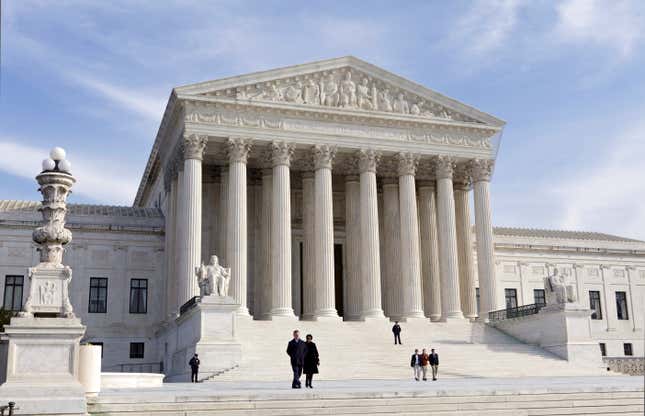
<point>212,278</point>
<point>557,291</point>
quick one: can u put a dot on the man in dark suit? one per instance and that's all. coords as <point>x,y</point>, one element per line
<point>396,330</point>
<point>434,363</point>
<point>296,349</point>
<point>194,368</point>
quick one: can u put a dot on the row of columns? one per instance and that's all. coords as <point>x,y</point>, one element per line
<point>429,271</point>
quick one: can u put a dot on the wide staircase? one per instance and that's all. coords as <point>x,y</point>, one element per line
<point>365,350</point>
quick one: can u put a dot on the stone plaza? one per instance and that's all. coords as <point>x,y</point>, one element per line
<point>334,197</point>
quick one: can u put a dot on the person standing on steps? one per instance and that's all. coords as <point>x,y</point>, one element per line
<point>296,349</point>
<point>312,361</point>
<point>415,363</point>
<point>425,359</point>
<point>194,368</point>
<point>434,363</point>
<point>396,330</point>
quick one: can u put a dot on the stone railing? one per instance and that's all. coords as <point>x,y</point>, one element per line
<point>189,305</point>
<point>633,366</point>
<point>517,312</point>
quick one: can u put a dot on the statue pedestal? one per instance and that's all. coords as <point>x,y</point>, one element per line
<point>208,329</point>
<point>42,365</point>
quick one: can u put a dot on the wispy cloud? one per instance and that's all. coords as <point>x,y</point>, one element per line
<point>102,180</point>
<point>618,25</point>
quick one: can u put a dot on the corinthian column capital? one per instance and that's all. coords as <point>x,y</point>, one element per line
<point>444,166</point>
<point>461,179</point>
<point>481,169</point>
<point>368,159</point>
<point>407,163</point>
<point>323,156</point>
<point>237,149</point>
<point>281,153</point>
<point>193,146</point>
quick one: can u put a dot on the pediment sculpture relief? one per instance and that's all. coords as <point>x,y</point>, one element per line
<point>346,88</point>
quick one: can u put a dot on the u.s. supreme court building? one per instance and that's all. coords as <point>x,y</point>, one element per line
<point>335,191</point>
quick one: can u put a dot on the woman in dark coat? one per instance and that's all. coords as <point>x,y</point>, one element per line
<point>311,361</point>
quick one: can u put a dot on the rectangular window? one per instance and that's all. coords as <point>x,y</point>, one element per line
<point>539,296</point>
<point>136,349</point>
<point>594,304</point>
<point>627,348</point>
<point>477,298</point>
<point>621,306</point>
<point>511,298</point>
<point>13,293</point>
<point>139,296</point>
<point>98,295</point>
<point>603,349</point>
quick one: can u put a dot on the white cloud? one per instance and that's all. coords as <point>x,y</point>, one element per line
<point>486,27</point>
<point>616,24</point>
<point>99,179</point>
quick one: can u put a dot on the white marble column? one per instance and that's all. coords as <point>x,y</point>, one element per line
<point>410,259</point>
<point>170,183</point>
<point>353,304</point>
<point>480,170</point>
<point>264,297</point>
<point>429,250</point>
<point>392,249</point>
<point>236,218</point>
<point>222,210</point>
<point>180,233</point>
<point>448,259</point>
<point>190,217</point>
<point>324,233</point>
<point>308,257</point>
<point>370,258</point>
<point>462,187</point>
<point>281,231</point>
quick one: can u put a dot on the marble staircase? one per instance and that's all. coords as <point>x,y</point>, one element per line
<point>365,350</point>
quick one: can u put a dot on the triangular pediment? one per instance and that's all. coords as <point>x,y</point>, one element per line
<point>341,84</point>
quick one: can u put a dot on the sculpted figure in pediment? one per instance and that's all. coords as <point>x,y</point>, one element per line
<point>401,105</point>
<point>329,92</point>
<point>311,93</point>
<point>363,98</point>
<point>384,100</point>
<point>348,91</point>
<point>272,93</point>
<point>415,109</point>
<point>293,93</point>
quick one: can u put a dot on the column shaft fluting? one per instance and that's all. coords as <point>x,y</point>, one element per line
<point>448,260</point>
<point>222,209</point>
<point>410,260</point>
<point>236,218</point>
<point>465,248</point>
<point>170,228</point>
<point>480,171</point>
<point>309,266</point>
<point>429,251</point>
<point>190,244</point>
<point>281,231</point>
<point>265,284</point>
<point>324,230</point>
<point>352,302</point>
<point>392,249</point>
<point>369,236</point>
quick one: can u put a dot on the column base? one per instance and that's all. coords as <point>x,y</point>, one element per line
<point>452,316</point>
<point>435,317</point>
<point>373,315</point>
<point>352,318</point>
<point>414,318</point>
<point>327,315</point>
<point>283,314</point>
<point>243,312</point>
<point>307,317</point>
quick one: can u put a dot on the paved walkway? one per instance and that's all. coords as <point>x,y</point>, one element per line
<point>171,392</point>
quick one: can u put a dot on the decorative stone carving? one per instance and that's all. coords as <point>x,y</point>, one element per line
<point>281,153</point>
<point>212,278</point>
<point>444,166</point>
<point>461,179</point>
<point>238,149</point>
<point>323,156</point>
<point>407,163</point>
<point>193,146</point>
<point>50,278</point>
<point>368,160</point>
<point>338,89</point>
<point>481,169</point>
<point>557,291</point>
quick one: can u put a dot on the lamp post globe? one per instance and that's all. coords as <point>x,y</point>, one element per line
<point>57,154</point>
<point>48,164</point>
<point>64,166</point>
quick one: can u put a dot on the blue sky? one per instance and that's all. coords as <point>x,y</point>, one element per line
<point>567,76</point>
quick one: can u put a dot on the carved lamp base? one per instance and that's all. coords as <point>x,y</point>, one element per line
<point>48,292</point>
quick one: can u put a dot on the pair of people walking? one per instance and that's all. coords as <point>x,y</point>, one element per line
<point>420,363</point>
<point>304,358</point>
